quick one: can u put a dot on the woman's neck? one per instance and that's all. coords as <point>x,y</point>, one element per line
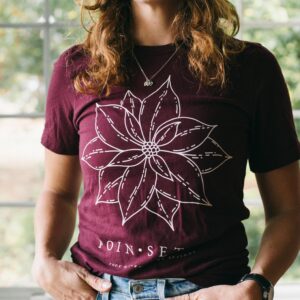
<point>152,21</point>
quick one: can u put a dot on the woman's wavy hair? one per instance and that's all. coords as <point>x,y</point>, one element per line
<point>206,27</point>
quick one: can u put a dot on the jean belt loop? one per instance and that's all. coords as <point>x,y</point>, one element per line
<point>105,295</point>
<point>161,288</point>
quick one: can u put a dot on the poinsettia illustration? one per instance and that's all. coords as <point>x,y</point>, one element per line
<point>151,157</point>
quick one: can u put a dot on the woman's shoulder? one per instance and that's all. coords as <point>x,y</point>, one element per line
<point>72,59</point>
<point>257,54</point>
<point>255,61</point>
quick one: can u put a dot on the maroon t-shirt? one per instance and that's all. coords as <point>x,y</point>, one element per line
<point>164,165</point>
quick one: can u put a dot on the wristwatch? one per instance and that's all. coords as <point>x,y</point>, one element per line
<point>267,287</point>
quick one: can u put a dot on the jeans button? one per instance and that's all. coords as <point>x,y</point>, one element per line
<point>138,288</point>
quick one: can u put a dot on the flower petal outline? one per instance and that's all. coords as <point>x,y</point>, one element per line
<point>128,158</point>
<point>159,166</point>
<point>166,133</point>
<point>111,187</point>
<point>152,112</point>
<point>112,131</point>
<point>210,156</point>
<point>190,167</point>
<point>184,141</point>
<point>97,154</point>
<point>132,203</point>
<point>134,128</point>
<point>163,207</point>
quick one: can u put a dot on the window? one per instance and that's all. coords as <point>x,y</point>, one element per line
<point>33,33</point>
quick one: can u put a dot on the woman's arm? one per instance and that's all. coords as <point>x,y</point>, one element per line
<point>280,192</point>
<point>55,212</point>
<point>54,222</point>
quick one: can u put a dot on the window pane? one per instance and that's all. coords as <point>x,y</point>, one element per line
<point>21,84</point>
<point>21,11</point>
<point>275,10</point>
<point>62,38</point>
<point>297,123</point>
<point>285,44</point>
<point>17,246</point>
<point>251,193</point>
<point>21,159</point>
<point>234,2</point>
<point>65,10</point>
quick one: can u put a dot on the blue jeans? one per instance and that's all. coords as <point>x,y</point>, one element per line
<point>124,288</point>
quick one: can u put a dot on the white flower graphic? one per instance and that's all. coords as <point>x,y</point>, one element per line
<point>151,157</point>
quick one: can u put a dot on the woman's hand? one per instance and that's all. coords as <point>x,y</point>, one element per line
<point>246,290</point>
<point>66,280</point>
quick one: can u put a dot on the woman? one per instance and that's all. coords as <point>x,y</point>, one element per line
<point>163,155</point>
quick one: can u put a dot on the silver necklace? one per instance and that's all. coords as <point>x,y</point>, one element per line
<point>149,81</point>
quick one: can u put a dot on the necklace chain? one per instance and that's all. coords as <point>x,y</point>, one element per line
<point>149,81</point>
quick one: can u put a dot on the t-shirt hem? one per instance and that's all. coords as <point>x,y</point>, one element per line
<point>288,160</point>
<point>56,149</point>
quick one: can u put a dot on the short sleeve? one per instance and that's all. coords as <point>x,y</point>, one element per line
<point>60,134</point>
<point>273,138</point>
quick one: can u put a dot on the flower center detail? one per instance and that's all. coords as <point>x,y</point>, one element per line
<point>150,149</point>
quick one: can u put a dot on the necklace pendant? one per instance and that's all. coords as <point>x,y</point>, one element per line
<point>148,83</point>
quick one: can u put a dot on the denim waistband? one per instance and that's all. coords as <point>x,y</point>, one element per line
<point>124,288</point>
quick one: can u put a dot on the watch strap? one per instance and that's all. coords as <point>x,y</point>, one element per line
<point>264,283</point>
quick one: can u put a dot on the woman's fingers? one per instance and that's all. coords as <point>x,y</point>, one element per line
<point>67,280</point>
<point>97,283</point>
